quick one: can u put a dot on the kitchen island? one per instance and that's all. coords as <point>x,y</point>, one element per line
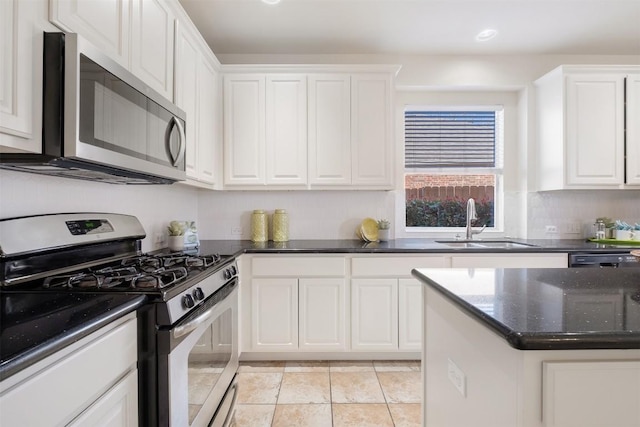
<point>531,347</point>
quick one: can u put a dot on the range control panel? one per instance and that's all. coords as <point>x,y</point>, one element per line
<point>89,226</point>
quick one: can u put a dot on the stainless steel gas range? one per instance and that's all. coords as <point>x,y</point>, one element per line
<point>187,331</point>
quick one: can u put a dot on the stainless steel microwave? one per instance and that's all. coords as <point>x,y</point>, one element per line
<point>102,123</point>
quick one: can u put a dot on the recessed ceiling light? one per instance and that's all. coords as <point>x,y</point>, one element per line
<point>271,1</point>
<point>485,35</point>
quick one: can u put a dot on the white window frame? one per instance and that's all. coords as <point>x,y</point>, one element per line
<point>498,171</point>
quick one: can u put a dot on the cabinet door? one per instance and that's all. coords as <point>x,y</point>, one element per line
<point>209,135</point>
<point>186,93</point>
<point>410,314</point>
<point>244,129</point>
<point>633,129</point>
<point>274,320</point>
<point>286,129</point>
<point>21,74</point>
<point>104,23</point>
<point>117,408</point>
<point>371,134</point>
<point>152,36</point>
<point>374,314</point>
<point>595,129</point>
<point>329,129</point>
<point>322,314</point>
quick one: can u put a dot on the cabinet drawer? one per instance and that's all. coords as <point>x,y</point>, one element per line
<point>283,266</point>
<point>70,384</point>
<point>394,266</point>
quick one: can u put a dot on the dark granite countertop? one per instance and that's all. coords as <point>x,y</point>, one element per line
<point>36,325</point>
<point>548,309</point>
<point>412,246</point>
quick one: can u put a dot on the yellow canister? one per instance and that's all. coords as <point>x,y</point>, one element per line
<point>259,225</point>
<point>280,226</point>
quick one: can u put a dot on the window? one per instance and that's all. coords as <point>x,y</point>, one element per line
<point>452,154</point>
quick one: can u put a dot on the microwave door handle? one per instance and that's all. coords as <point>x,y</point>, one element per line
<point>182,136</point>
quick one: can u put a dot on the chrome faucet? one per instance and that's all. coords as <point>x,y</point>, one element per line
<point>472,216</point>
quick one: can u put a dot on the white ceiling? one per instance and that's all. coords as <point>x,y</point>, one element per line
<point>590,27</point>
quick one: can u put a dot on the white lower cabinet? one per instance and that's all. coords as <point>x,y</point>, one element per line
<point>298,314</point>
<point>374,314</point>
<point>349,303</point>
<point>92,382</point>
<point>409,314</point>
<point>274,314</point>
<point>118,407</point>
<point>322,315</point>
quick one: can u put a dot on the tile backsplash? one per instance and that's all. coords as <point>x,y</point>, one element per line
<point>571,211</point>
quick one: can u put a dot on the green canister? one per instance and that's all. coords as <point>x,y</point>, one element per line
<point>259,226</point>
<point>280,226</point>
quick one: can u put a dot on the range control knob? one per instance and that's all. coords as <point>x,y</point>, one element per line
<point>226,273</point>
<point>188,301</point>
<point>234,271</point>
<point>198,294</point>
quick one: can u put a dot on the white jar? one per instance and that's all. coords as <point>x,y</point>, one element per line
<point>259,225</point>
<point>280,226</point>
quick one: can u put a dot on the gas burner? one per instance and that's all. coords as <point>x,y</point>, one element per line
<point>151,263</point>
<point>160,278</point>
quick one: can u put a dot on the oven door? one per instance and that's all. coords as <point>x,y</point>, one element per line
<point>203,361</point>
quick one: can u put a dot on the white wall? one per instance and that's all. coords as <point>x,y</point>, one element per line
<point>155,205</point>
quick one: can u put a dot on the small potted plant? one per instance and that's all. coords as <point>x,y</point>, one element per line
<point>383,230</point>
<point>176,235</point>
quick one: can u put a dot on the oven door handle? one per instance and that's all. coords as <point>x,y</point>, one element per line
<point>192,325</point>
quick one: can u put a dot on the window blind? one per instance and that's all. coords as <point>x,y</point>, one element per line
<point>441,139</point>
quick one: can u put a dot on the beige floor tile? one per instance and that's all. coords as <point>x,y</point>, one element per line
<point>401,387</point>
<point>406,414</point>
<point>350,366</point>
<point>305,387</point>
<point>276,366</point>
<point>302,415</point>
<point>361,415</point>
<point>396,365</point>
<point>355,387</point>
<point>253,415</point>
<point>307,366</point>
<point>258,387</point>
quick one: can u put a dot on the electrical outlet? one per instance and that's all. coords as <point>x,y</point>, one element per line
<point>457,377</point>
<point>236,231</point>
<point>550,229</point>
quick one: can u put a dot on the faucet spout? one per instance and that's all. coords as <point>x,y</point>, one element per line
<point>471,216</point>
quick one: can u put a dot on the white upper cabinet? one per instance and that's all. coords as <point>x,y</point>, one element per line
<point>23,22</point>
<point>152,38</point>
<point>329,129</point>
<point>286,129</point>
<point>633,129</point>
<point>371,135</point>
<point>139,34</point>
<point>350,130</point>
<point>265,135</point>
<point>581,117</point>
<point>244,129</point>
<point>311,129</point>
<point>197,92</point>
<point>105,23</point>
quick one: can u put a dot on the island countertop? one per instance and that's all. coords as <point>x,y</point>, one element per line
<point>547,309</point>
